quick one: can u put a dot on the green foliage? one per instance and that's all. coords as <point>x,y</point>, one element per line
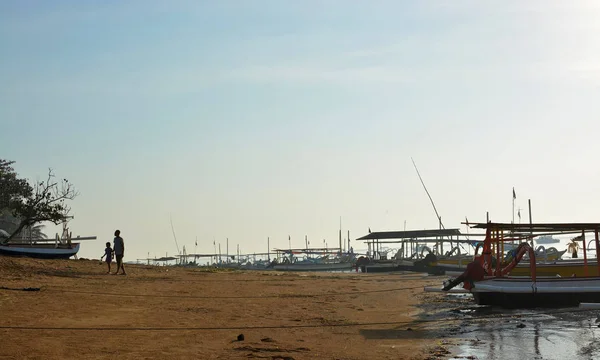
<point>44,201</point>
<point>13,190</point>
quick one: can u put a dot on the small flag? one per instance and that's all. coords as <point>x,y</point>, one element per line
<point>196,242</point>
<point>519,214</point>
<point>369,230</point>
<point>514,194</point>
<point>466,220</point>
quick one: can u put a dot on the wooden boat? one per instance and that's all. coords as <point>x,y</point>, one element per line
<point>61,247</point>
<point>313,267</point>
<point>525,292</point>
<point>498,285</point>
<point>311,259</point>
<point>420,250</point>
<point>549,263</point>
<point>40,251</point>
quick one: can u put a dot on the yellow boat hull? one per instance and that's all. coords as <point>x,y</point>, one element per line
<point>563,268</point>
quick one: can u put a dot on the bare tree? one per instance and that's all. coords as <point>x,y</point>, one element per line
<point>45,202</point>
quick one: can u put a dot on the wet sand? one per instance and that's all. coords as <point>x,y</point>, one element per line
<point>185,313</point>
<point>484,332</point>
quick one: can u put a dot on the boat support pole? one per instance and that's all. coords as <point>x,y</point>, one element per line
<point>585,264</point>
<point>597,247</point>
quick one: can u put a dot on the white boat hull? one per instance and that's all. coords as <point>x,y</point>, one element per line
<point>313,267</point>
<point>39,251</point>
<point>523,292</point>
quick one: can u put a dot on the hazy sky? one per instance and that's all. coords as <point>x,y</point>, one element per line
<point>256,119</point>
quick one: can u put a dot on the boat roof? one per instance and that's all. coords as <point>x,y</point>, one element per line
<point>537,227</point>
<point>410,234</point>
<point>200,255</point>
<point>313,251</point>
<point>164,258</point>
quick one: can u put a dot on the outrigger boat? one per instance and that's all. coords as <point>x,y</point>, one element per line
<point>61,247</point>
<point>420,250</point>
<point>312,259</point>
<point>496,284</point>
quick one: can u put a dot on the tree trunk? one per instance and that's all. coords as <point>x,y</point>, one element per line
<point>21,226</point>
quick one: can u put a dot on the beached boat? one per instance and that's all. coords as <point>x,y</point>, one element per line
<point>313,267</point>
<point>40,251</point>
<point>61,247</point>
<point>549,263</point>
<point>315,259</point>
<point>498,285</point>
<point>429,251</point>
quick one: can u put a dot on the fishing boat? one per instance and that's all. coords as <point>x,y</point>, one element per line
<point>546,239</point>
<point>315,259</point>
<point>550,254</point>
<point>497,284</point>
<point>40,251</point>
<point>61,247</point>
<point>419,250</point>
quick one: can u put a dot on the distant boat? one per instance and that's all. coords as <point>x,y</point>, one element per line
<point>289,260</point>
<point>313,267</point>
<point>546,239</point>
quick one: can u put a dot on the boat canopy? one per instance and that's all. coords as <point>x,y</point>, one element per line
<point>411,234</point>
<point>549,227</point>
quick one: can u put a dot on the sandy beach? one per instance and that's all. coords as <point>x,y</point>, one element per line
<point>191,313</point>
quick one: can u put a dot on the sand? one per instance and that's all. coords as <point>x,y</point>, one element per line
<point>192,313</point>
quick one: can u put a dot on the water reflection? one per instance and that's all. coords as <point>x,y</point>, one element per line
<point>532,335</point>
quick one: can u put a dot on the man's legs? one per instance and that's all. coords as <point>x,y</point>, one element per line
<point>120,264</point>
<point>119,261</point>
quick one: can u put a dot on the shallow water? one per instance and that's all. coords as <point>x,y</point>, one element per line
<point>534,336</point>
<point>495,333</point>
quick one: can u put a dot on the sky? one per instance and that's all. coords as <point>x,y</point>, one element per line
<point>250,120</point>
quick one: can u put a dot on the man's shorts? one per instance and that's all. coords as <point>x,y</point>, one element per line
<point>119,258</point>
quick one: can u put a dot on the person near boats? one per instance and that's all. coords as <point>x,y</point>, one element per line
<point>119,247</point>
<point>108,252</point>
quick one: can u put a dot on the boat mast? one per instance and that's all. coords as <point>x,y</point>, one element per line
<point>348,241</point>
<point>340,234</point>
<point>530,223</point>
<point>174,237</point>
<point>430,199</point>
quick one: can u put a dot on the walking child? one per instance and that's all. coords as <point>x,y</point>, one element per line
<point>108,252</point>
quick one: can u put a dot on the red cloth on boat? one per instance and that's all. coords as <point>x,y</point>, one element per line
<point>474,272</point>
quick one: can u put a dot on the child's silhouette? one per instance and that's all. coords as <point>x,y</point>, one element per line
<point>108,252</point>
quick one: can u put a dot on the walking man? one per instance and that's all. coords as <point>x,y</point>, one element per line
<point>119,248</point>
